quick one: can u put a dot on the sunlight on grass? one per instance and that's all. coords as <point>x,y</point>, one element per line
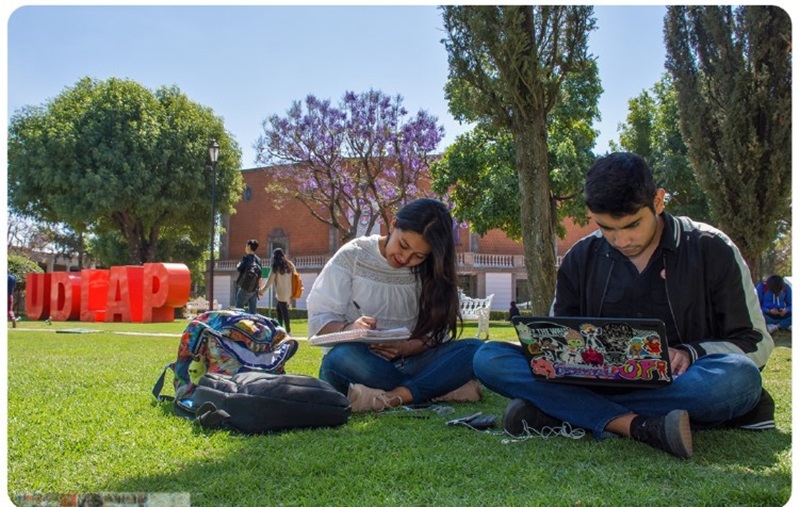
<point>81,419</point>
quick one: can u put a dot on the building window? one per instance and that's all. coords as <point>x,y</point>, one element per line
<point>278,239</point>
<point>468,284</point>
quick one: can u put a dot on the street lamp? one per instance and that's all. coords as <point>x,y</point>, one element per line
<point>213,154</point>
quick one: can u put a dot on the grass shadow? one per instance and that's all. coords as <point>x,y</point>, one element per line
<point>782,338</point>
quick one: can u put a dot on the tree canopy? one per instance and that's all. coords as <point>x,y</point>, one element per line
<point>356,161</point>
<point>479,172</point>
<point>652,130</point>
<point>111,155</point>
<point>732,69</point>
<point>508,66</point>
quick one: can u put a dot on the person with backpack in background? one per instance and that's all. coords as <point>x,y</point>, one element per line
<point>281,277</point>
<point>249,277</point>
<point>775,296</point>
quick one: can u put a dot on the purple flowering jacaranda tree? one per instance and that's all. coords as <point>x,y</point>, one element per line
<point>366,156</point>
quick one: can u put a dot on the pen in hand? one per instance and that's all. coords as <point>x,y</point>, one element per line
<point>367,320</point>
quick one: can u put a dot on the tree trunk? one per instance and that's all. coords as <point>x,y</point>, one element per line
<point>753,260</point>
<point>536,216</point>
<point>150,245</point>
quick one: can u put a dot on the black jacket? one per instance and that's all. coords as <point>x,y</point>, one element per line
<point>710,295</point>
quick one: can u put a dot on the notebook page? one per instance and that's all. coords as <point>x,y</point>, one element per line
<point>361,335</point>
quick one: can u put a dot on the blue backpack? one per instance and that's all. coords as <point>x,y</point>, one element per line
<point>226,342</point>
<point>230,374</point>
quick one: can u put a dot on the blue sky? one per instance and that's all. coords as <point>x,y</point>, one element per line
<point>249,62</point>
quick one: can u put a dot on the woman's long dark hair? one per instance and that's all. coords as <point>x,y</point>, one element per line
<point>775,284</point>
<point>279,263</point>
<point>438,304</point>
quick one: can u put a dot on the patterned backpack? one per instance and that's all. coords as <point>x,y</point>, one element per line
<point>226,342</point>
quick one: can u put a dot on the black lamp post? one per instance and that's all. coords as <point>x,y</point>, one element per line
<point>213,154</point>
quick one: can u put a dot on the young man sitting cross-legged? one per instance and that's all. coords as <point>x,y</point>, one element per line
<point>645,263</point>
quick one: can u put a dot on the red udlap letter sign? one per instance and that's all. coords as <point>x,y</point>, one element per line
<point>147,293</point>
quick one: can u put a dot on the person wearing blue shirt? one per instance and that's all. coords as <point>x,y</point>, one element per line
<point>775,296</point>
<point>12,283</point>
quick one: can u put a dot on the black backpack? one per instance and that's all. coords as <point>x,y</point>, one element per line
<point>258,402</point>
<point>248,280</point>
<point>230,374</point>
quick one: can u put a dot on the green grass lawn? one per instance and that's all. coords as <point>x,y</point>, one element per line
<point>81,419</point>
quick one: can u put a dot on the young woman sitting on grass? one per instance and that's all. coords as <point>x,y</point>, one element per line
<point>404,279</point>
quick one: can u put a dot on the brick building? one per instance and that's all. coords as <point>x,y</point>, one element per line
<point>489,264</point>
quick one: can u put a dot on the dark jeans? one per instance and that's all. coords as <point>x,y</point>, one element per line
<point>283,316</point>
<point>246,300</point>
<point>784,322</point>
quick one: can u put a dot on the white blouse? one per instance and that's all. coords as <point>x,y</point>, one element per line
<point>358,272</point>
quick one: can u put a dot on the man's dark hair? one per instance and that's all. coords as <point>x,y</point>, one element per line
<point>619,184</point>
<point>253,244</point>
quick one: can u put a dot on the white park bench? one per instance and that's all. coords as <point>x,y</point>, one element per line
<point>200,305</point>
<point>477,309</point>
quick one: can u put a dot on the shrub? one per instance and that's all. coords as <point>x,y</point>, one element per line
<point>20,266</point>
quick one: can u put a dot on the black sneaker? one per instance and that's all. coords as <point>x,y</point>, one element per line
<point>520,413</point>
<point>759,418</point>
<point>670,433</point>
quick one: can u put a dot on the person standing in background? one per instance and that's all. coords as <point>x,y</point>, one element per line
<point>243,295</point>
<point>281,277</point>
<point>12,283</point>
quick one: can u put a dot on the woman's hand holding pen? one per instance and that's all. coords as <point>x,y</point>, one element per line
<point>364,321</point>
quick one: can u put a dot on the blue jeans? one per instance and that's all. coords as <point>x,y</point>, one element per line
<point>435,372</point>
<point>781,322</point>
<point>246,298</point>
<point>714,389</point>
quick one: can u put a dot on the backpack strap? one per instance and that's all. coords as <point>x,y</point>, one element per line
<point>159,386</point>
<point>210,417</point>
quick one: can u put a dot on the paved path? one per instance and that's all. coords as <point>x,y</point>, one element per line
<point>130,333</point>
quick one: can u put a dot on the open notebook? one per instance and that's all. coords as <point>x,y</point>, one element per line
<point>361,336</point>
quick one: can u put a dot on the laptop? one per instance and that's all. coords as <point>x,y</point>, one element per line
<point>596,351</point>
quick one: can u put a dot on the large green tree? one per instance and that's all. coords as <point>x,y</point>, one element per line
<point>732,69</point>
<point>114,156</point>
<point>507,68</point>
<point>478,171</point>
<point>652,130</point>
